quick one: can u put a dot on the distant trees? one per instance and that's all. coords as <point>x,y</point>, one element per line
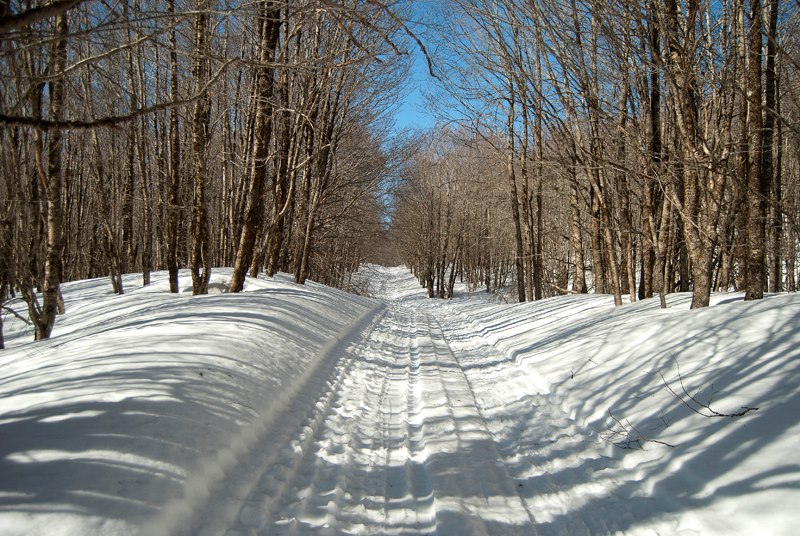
<point>631,147</point>
<point>152,134</point>
<point>657,136</point>
<point>451,219</point>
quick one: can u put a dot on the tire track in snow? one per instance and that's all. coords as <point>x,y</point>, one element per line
<point>341,476</point>
<point>332,475</point>
<point>238,483</point>
<point>419,432</point>
<point>386,437</point>
<point>409,506</point>
<point>473,489</point>
<point>536,439</point>
<point>388,491</point>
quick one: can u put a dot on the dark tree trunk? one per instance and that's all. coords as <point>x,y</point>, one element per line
<point>579,282</point>
<point>769,169</point>
<point>698,212</point>
<point>529,244</point>
<point>650,255</point>
<point>627,265</point>
<point>269,18</point>
<point>598,262</point>
<point>757,181</point>
<point>173,207</point>
<point>511,175</point>
<point>3,294</point>
<point>200,260</point>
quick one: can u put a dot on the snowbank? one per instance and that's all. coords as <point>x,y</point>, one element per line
<point>619,374</point>
<point>146,399</point>
<point>606,420</point>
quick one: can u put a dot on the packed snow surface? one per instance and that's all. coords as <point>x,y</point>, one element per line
<point>292,409</point>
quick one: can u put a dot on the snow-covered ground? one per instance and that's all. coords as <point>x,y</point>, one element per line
<point>300,409</point>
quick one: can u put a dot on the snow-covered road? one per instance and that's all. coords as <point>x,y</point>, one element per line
<point>391,442</point>
<point>393,434</point>
<point>304,410</point>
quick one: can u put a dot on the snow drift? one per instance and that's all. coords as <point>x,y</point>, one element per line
<point>140,404</point>
<point>144,400</point>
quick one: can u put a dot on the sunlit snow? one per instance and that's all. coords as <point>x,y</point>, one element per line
<point>293,409</point>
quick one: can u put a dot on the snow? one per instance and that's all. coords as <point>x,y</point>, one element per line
<point>292,409</point>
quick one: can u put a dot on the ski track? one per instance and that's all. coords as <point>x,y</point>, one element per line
<point>392,436</point>
<point>535,438</point>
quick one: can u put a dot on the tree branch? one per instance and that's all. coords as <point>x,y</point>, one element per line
<point>10,23</point>
<point>13,312</point>
<point>700,405</point>
<point>110,121</point>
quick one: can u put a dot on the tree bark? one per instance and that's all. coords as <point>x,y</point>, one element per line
<point>769,169</point>
<point>757,181</point>
<point>627,266</point>
<point>579,281</point>
<point>200,260</point>
<point>173,206</point>
<point>698,213</point>
<point>529,245</point>
<point>270,21</point>
<point>55,187</point>
<point>598,260</point>
<point>512,184</point>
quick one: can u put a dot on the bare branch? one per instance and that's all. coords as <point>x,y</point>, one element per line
<point>632,438</point>
<point>16,314</point>
<point>699,405</point>
<point>110,121</point>
<point>10,23</point>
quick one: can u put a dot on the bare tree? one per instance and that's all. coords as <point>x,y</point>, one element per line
<point>269,23</point>
<point>200,258</point>
<point>44,317</point>
<point>758,182</point>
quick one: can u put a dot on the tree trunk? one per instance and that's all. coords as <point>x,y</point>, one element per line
<point>269,19</point>
<point>598,263</point>
<point>173,206</point>
<point>519,266</point>
<point>5,277</point>
<point>698,213</point>
<point>627,268</point>
<point>769,169</point>
<point>200,259</point>
<point>147,201</point>
<point>55,187</point>
<point>512,184</point>
<point>529,249</point>
<point>538,262</point>
<point>757,181</point>
<point>127,247</point>
<point>579,281</point>
<point>650,255</point>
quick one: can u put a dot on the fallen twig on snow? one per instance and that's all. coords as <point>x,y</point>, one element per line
<point>633,438</point>
<point>699,405</point>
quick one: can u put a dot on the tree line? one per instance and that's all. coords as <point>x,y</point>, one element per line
<point>632,147</point>
<point>158,134</point>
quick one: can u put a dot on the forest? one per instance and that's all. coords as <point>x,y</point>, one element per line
<point>634,148</point>
<point>631,147</point>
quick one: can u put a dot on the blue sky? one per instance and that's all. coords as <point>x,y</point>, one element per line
<point>412,113</point>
